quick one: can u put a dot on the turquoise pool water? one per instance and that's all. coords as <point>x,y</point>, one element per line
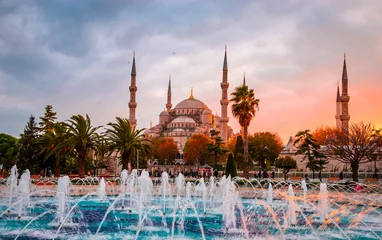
<point>40,222</point>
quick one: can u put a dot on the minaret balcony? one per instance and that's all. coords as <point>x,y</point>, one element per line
<point>224,85</point>
<point>345,117</point>
<point>133,88</point>
<point>345,98</point>
<point>224,102</point>
<point>132,104</point>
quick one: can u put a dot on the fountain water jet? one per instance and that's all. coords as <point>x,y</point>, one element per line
<point>23,191</point>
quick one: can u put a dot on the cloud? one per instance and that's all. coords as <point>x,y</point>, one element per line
<point>75,55</point>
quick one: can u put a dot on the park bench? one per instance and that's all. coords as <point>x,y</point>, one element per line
<point>295,178</point>
<point>371,180</point>
<point>333,179</point>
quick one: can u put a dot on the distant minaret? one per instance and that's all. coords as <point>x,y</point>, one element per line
<point>133,89</point>
<point>244,80</point>
<point>169,105</point>
<point>345,117</point>
<point>224,101</point>
<point>338,108</point>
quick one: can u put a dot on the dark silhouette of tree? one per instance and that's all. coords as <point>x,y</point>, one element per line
<point>286,163</point>
<point>231,167</point>
<point>258,142</point>
<point>244,105</point>
<point>8,150</point>
<point>28,156</point>
<point>309,146</point>
<point>361,144</point>
<point>216,146</point>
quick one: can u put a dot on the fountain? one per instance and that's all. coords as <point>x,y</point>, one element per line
<point>291,212</point>
<point>12,183</point>
<point>23,191</point>
<point>324,203</point>
<point>179,181</point>
<point>270,194</point>
<point>235,209</point>
<point>101,191</point>
<point>62,197</point>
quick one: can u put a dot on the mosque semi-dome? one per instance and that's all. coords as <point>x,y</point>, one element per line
<point>183,119</point>
<point>191,103</point>
<point>164,113</point>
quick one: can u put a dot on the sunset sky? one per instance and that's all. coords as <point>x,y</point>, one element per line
<point>76,56</point>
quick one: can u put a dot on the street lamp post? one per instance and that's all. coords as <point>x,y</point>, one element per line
<point>265,151</point>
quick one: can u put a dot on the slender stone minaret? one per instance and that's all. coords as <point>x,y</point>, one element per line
<point>168,104</point>
<point>345,117</point>
<point>338,108</point>
<point>224,101</point>
<point>133,89</point>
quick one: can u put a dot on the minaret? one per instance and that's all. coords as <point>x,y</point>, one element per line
<point>345,117</point>
<point>224,101</point>
<point>338,108</point>
<point>244,80</point>
<point>133,89</point>
<point>168,104</point>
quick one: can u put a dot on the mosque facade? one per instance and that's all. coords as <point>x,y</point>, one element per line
<point>190,116</point>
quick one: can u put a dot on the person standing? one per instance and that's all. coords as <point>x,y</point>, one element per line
<point>341,175</point>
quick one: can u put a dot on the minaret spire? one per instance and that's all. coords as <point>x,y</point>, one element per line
<point>338,108</point>
<point>224,100</point>
<point>169,105</point>
<point>133,89</point>
<point>244,80</point>
<point>225,65</point>
<point>345,117</point>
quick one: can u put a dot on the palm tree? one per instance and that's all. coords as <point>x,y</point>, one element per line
<point>79,139</point>
<point>244,109</point>
<point>50,141</point>
<point>127,141</point>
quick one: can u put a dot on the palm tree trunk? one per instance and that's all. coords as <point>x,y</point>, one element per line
<point>245,169</point>
<point>81,165</point>
<point>57,168</point>
<point>245,144</point>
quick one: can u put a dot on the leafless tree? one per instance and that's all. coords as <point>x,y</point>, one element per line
<point>361,144</point>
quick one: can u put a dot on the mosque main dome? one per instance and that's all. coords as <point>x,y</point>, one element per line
<point>191,103</point>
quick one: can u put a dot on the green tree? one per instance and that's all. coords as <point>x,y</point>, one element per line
<point>231,167</point>
<point>244,109</point>
<point>361,144</point>
<point>265,147</point>
<point>216,146</point>
<point>8,150</point>
<point>47,121</point>
<point>286,163</point>
<point>309,146</point>
<point>50,141</point>
<point>127,141</point>
<point>81,136</point>
<point>239,153</point>
<point>28,148</point>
